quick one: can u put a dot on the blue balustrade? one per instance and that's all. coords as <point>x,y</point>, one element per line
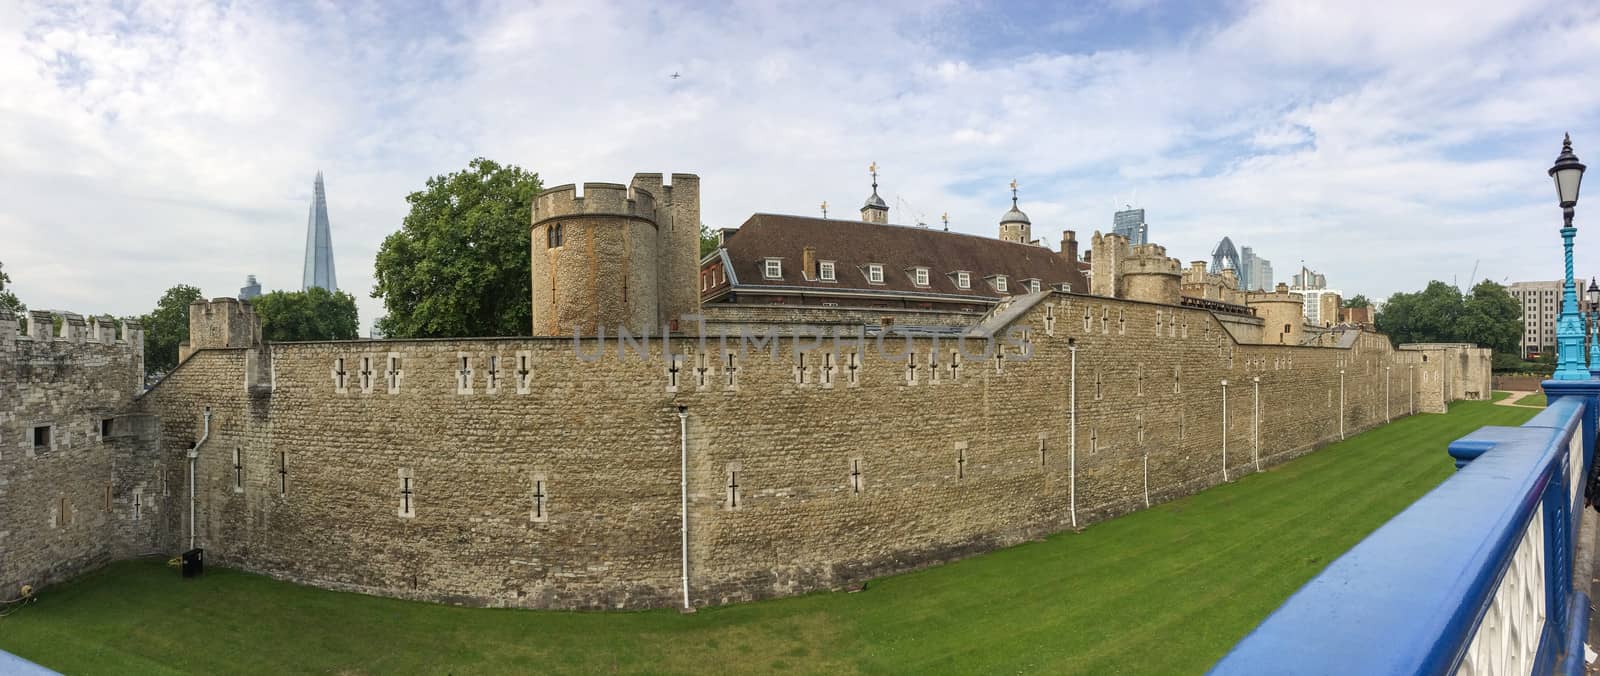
<point>1474,578</point>
<point>16,666</point>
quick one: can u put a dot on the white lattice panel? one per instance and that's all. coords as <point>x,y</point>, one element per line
<point>1508,637</point>
<point>1575,464</point>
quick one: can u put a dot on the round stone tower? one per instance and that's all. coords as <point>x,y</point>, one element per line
<point>595,260</point>
<point>1149,275</point>
<point>1282,314</point>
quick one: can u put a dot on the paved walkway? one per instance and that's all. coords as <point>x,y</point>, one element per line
<point>1516,397</point>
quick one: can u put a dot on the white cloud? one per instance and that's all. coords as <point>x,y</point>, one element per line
<point>1386,144</point>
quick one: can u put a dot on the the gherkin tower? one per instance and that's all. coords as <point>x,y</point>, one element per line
<point>319,243</point>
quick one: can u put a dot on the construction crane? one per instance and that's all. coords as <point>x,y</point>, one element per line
<point>918,217</point>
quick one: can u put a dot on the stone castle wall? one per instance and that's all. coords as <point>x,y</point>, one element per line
<point>536,477</point>
<point>76,487</point>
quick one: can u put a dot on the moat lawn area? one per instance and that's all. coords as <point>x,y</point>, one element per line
<point>1163,591</point>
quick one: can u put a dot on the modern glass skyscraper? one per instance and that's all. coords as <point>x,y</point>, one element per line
<point>1130,224</point>
<point>319,243</point>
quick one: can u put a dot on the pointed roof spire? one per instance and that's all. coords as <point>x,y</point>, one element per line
<point>1015,215</point>
<point>874,201</point>
<point>319,269</point>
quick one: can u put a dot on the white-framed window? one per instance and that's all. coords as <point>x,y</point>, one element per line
<point>875,273</point>
<point>773,269</point>
<point>1033,286</point>
<point>919,276</point>
<point>825,271</point>
<point>1000,283</point>
<point>963,280</point>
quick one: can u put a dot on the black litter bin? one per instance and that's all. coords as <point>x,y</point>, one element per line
<point>194,562</point>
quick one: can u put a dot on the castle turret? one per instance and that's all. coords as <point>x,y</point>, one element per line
<point>875,210</point>
<point>616,257</point>
<point>1014,225</point>
<point>1149,275</point>
<point>220,323</point>
<point>1282,313</point>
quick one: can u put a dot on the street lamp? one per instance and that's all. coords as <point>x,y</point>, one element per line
<point>1592,332</point>
<point>1568,175</point>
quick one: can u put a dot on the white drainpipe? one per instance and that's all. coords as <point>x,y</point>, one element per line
<point>1072,436</point>
<point>1341,404</point>
<point>1224,429</point>
<point>194,456</point>
<point>683,496</point>
<point>1255,420</point>
<point>1387,414</point>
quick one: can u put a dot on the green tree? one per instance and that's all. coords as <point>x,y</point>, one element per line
<point>313,314</point>
<point>459,265</point>
<point>1491,317</point>
<point>1427,316</point>
<point>708,240</point>
<point>8,299</point>
<point>166,327</point>
<point>1357,300</point>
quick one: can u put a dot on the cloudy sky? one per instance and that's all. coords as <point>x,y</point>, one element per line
<point>1384,143</point>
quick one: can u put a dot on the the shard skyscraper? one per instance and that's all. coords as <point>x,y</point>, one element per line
<point>319,243</point>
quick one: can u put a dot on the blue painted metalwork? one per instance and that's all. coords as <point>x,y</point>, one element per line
<point>11,665</point>
<point>1411,597</point>
<point>1569,329</point>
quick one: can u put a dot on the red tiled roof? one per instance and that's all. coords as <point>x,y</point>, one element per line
<point>852,245</point>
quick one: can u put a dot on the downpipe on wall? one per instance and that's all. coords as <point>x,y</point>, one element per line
<point>1224,430</point>
<point>1341,404</point>
<point>683,499</point>
<point>1072,434</point>
<point>194,457</point>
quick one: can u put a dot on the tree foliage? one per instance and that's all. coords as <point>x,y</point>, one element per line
<point>459,265</point>
<point>1358,300</point>
<point>1488,316</point>
<point>313,314</point>
<point>708,240</point>
<point>166,327</point>
<point>8,299</point>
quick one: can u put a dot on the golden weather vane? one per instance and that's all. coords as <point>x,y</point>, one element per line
<point>824,208</point>
<point>946,218</point>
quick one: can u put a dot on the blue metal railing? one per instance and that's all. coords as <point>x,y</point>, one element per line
<point>1474,578</point>
<point>11,665</point>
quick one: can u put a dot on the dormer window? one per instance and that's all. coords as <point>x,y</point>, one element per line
<point>1033,286</point>
<point>825,271</point>
<point>875,273</point>
<point>772,269</point>
<point>919,276</point>
<point>1000,283</point>
<point>963,280</point>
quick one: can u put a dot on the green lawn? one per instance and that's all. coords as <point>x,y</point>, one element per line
<point>1163,591</point>
<point>1535,399</point>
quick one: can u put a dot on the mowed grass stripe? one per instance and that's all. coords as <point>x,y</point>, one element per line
<point>1162,591</point>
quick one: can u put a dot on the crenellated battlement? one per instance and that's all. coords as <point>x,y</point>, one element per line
<point>48,327</point>
<point>598,199</point>
<point>225,322</point>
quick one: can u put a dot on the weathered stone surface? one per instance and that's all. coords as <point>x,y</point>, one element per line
<point>976,460</point>
<point>67,504</point>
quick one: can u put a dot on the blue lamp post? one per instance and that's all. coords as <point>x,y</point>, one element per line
<point>1568,174</point>
<point>1592,296</point>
